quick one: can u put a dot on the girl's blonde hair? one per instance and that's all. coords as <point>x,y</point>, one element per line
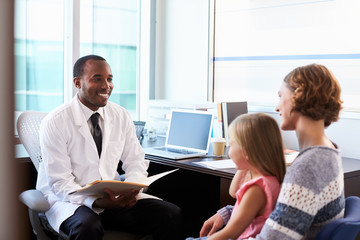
<point>259,136</point>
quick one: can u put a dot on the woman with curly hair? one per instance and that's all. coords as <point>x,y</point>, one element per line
<point>312,192</point>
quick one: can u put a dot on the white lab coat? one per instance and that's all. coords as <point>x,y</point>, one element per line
<point>70,158</point>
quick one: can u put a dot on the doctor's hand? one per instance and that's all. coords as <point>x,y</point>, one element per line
<point>112,200</point>
<point>211,225</point>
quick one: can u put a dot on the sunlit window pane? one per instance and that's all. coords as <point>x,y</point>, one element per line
<point>39,54</point>
<point>258,42</point>
<point>109,28</point>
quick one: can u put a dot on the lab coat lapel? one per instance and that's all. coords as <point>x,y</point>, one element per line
<point>108,127</point>
<point>105,172</point>
<point>81,122</point>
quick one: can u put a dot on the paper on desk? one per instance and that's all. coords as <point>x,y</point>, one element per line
<point>228,163</point>
<point>217,164</point>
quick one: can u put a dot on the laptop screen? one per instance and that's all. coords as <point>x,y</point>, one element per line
<point>190,129</point>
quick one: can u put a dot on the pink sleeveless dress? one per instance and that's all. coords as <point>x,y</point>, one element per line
<point>271,188</point>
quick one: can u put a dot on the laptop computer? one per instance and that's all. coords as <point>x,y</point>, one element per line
<point>188,135</point>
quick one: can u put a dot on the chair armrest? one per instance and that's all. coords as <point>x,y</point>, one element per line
<point>35,200</point>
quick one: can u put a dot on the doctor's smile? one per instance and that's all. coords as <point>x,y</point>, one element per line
<point>105,95</point>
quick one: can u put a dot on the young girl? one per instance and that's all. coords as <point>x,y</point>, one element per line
<point>257,150</point>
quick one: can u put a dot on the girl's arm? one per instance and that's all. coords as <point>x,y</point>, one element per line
<point>241,176</point>
<point>252,204</point>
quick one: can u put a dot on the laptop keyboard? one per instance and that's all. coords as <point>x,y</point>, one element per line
<point>174,150</point>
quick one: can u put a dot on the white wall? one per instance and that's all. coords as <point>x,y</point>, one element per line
<point>345,133</point>
<point>182,50</point>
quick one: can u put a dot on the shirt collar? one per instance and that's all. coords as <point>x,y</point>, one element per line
<point>88,112</point>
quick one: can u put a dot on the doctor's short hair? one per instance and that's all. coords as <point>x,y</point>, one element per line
<point>316,93</point>
<point>259,136</point>
<point>79,65</point>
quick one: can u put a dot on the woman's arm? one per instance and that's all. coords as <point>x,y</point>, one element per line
<point>252,204</point>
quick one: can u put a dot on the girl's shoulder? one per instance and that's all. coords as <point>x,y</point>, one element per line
<point>265,182</point>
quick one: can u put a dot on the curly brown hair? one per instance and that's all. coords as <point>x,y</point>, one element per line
<point>316,93</point>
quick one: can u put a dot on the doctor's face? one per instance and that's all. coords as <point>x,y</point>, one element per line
<point>95,84</point>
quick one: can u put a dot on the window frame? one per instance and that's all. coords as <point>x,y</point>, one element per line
<point>346,113</point>
<point>71,50</point>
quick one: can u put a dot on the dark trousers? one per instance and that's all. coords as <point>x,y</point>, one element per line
<point>148,216</point>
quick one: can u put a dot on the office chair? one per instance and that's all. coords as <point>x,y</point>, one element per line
<point>28,125</point>
<point>345,228</point>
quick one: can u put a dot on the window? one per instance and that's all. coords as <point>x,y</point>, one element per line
<point>39,54</point>
<point>108,28</point>
<point>258,42</point>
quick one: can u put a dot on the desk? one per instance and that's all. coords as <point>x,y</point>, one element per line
<point>351,171</point>
<point>351,176</point>
<point>351,168</point>
<point>198,190</point>
<point>201,191</point>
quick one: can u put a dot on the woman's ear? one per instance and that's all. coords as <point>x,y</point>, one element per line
<point>77,82</point>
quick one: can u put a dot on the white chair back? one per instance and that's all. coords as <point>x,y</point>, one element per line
<point>28,126</point>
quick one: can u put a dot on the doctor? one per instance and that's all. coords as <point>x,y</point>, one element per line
<point>71,159</point>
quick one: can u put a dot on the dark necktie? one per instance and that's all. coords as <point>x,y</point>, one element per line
<point>97,131</point>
